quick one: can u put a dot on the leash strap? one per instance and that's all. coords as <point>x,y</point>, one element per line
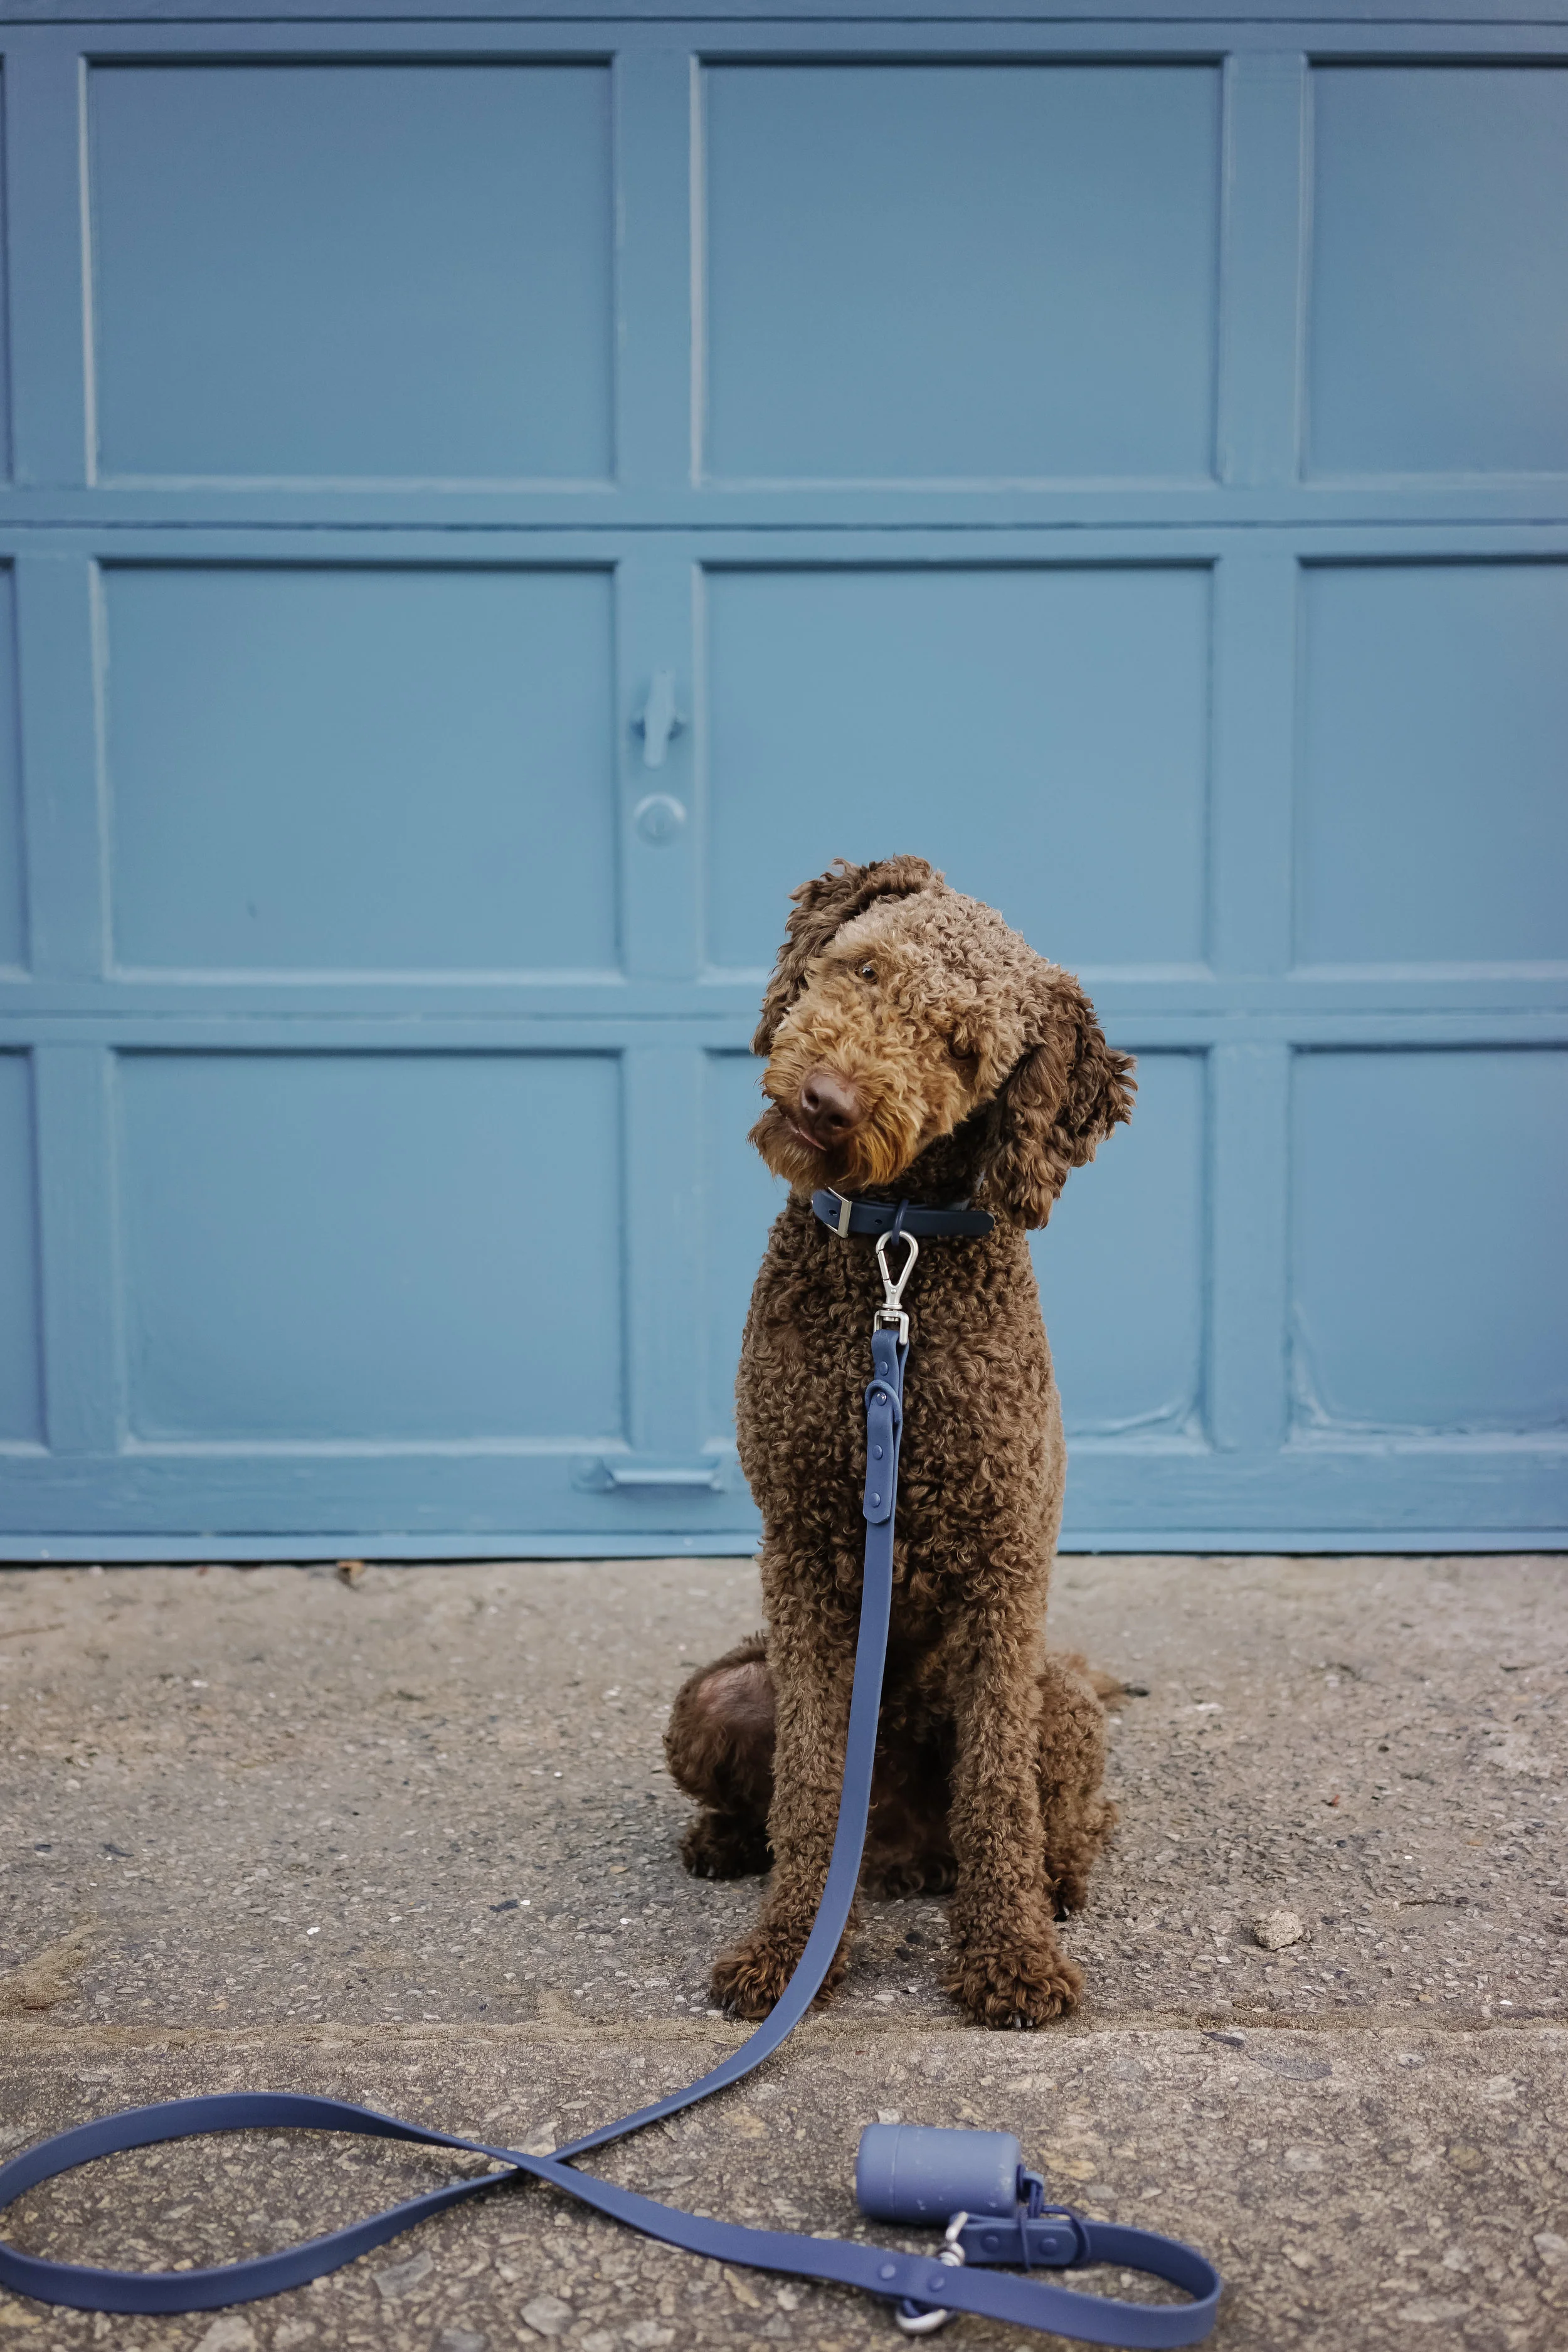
<point>925,2283</point>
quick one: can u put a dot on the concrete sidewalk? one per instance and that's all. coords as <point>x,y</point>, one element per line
<point>411,1842</point>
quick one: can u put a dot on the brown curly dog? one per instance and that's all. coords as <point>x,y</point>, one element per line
<point>916,1047</point>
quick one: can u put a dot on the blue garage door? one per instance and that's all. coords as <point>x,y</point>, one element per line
<point>491,506</point>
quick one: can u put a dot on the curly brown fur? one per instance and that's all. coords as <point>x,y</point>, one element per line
<point>916,1047</point>
<point>720,1746</point>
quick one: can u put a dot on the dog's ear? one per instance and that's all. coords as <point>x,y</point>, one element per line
<point>1061,1098</point>
<point>822,907</point>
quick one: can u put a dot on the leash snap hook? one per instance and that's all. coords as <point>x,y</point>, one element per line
<point>890,1313</point>
<point>918,2319</point>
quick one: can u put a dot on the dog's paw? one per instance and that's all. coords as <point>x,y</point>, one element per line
<point>1016,1985</point>
<point>717,1845</point>
<point>747,1980</point>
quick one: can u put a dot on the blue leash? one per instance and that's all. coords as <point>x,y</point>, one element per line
<point>1005,2221</point>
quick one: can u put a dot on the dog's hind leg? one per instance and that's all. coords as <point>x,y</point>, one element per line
<point>1077,1815</point>
<point>719,1747</point>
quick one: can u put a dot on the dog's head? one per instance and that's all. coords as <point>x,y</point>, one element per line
<point>900,1013</point>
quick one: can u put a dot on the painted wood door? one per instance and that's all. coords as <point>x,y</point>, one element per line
<point>491,505</point>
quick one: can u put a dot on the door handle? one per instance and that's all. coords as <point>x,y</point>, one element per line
<point>659,719</point>
<point>709,1477</point>
<point>603,1477</point>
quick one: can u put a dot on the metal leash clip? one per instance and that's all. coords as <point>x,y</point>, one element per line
<point>924,2319</point>
<point>890,1312</point>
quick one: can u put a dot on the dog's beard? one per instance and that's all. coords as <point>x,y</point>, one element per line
<point>788,1154</point>
<point>877,1153</point>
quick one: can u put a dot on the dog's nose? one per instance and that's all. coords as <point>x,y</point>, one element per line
<point>829,1106</point>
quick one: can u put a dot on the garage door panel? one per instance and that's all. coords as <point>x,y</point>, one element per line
<point>1121,1267</point>
<point>961,270</point>
<point>1041,734</point>
<point>21,1405</point>
<point>352,270</point>
<point>1430,1280</point>
<point>13,896</point>
<point>1433,812</point>
<point>355,769</point>
<point>1440,294</point>
<point>320,1247</point>
<point>1433,820</point>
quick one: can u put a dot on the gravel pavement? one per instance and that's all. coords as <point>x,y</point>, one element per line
<point>409,1839</point>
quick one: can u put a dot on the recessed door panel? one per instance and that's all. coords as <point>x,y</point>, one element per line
<point>987,271</point>
<point>20,1389</point>
<point>1440,289</point>
<point>327,1248</point>
<point>359,769</point>
<point>1430,1280</point>
<point>352,270</point>
<point>1040,734</point>
<point>1121,1267</point>
<point>1434,798</point>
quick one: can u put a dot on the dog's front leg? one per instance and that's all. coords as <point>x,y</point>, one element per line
<point>811,1654</point>
<point>1007,1967</point>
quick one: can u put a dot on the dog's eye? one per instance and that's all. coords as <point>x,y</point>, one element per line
<point>868,971</point>
<point>966,1059</point>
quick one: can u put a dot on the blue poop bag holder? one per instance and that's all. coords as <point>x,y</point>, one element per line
<point>969,2184</point>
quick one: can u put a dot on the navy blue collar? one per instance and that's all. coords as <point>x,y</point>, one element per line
<point>843,1216</point>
